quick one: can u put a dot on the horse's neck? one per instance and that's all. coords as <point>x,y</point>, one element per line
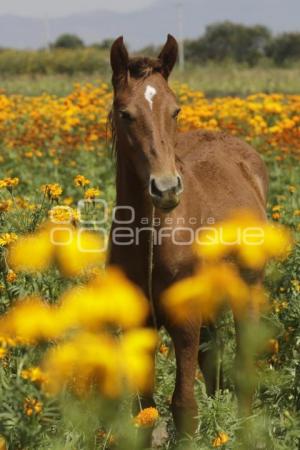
<point>129,189</point>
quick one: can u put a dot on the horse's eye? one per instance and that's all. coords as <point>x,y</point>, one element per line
<point>176,113</point>
<point>125,115</point>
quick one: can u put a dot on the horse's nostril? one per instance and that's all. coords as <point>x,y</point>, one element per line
<point>154,190</point>
<point>179,184</point>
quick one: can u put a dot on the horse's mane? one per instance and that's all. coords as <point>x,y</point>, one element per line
<point>143,67</point>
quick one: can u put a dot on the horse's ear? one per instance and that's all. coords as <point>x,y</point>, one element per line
<point>119,62</point>
<point>168,56</point>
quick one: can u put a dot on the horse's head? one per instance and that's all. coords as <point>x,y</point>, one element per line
<point>145,115</point>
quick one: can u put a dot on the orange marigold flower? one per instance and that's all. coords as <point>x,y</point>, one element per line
<point>220,440</point>
<point>147,417</point>
<point>11,276</point>
<point>81,181</point>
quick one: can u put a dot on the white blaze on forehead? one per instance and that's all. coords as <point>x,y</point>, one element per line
<point>150,92</point>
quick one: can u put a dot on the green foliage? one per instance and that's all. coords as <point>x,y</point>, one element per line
<point>228,40</point>
<point>285,48</point>
<point>57,61</point>
<point>68,41</point>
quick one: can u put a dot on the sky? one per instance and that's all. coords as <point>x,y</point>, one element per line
<point>53,8</point>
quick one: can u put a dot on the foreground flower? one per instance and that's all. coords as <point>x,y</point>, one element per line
<point>147,417</point>
<point>250,240</point>
<point>32,253</point>
<point>74,251</point>
<point>104,301</point>
<point>102,362</point>
<point>205,293</point>
<point>220,440</point>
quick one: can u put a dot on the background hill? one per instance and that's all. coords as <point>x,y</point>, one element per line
<point>149,25</point>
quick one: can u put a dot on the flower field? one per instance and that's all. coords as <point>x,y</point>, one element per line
<point>67,371</point>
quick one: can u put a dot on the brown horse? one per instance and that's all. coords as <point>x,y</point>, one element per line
<point>178,182</point>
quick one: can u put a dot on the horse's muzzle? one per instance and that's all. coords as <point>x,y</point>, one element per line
<point>165,191</point>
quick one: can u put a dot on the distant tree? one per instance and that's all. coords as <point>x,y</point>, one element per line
<point>285,47</point>
<point>68,41</point>
<point>104,45</point>
<point>228,40</point>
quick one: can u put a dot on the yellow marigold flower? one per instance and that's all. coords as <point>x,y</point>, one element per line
<point>3,352</point>
<point>11,276</point>
<point>40,323</point>
<point>137,350</point>
<point>205,293</point>
<point>246,237</point>
<point>5,205</point>
<point>220,440</point>
<point>147,417</point>
<point>33,253</point>
<point>9,183</point>
<point>292,189</point>
<point>106,299</point>
<point>7,239</point>
<point>32,406</point>
<point>92,193</point>
<point>273,346</point>
<point>102,361</point>
<point>34,374</point>
<point>63,214</point>
<point>81,181</point>
<point>77,251</point>
<point>53,191</point>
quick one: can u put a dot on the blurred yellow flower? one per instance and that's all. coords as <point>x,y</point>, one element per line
<point>203,294</point>
<point>252,241</point>
<point>220,440</point>
<point>106,299</point>
<point>32,253</point>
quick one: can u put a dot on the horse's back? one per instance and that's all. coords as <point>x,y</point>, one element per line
<point>222,162</point>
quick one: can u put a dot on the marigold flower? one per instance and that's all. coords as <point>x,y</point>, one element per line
<point>81,181</point>
<point>11,276</point>
<point>92,193</point>
<point>34,374</point>
<point>32,253</point>
<point>220,440</point>
<point>7,238</point>
<point>101,361</point>
<point>107,298</point>
<point>3,352</point>
<point>53,191</point>
<point>9,183</point>
<point>147,417</point>
<point>205,293</point>
<point>32,406</point>
<point>244,236</point>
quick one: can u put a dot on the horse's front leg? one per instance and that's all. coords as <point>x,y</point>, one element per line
<point>184,406</point>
